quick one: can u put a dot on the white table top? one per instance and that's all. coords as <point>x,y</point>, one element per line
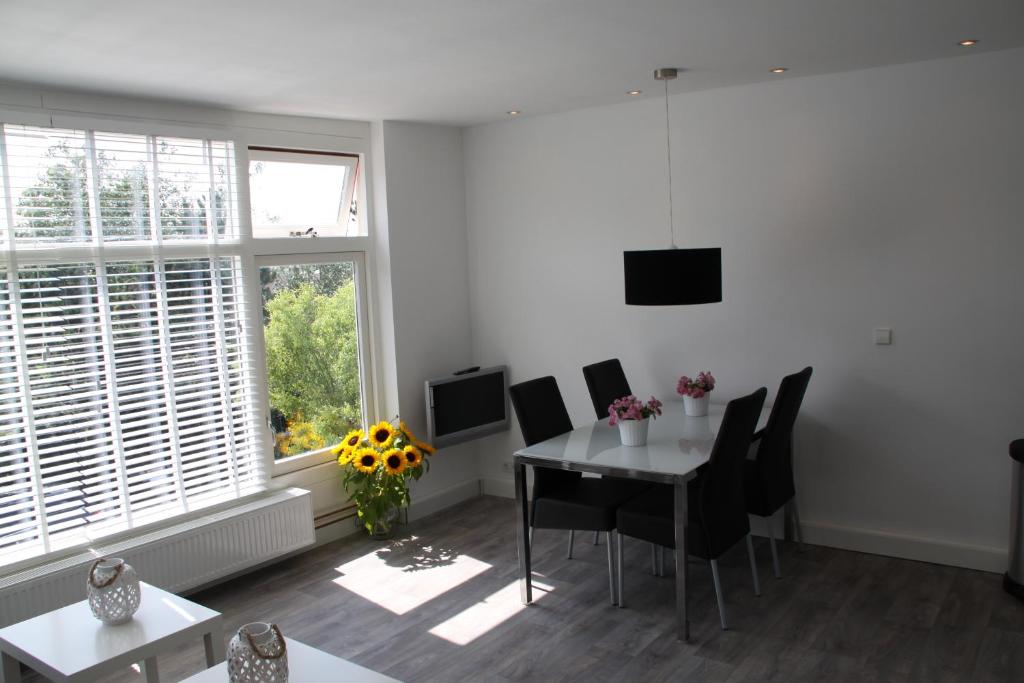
<point>70,640</point>
<point>305,665</point>
<point>677,444</point>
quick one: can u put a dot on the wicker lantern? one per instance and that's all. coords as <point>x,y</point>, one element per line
<point>258,654</point>
<point>113,590</point>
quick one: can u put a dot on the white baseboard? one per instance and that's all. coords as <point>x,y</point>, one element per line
<point>982,558</point>
<point>503,488</point>
<point>420,507</point>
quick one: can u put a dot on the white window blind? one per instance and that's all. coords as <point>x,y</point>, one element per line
<point>126,387</point>
<point>74,187</point>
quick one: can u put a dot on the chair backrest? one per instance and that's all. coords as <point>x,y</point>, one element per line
<point>542,415</point>
<point>606,382</point>
<point>722,505</point>
<point>775,451</point>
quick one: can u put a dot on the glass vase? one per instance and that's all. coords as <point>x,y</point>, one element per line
<point>384,527</point>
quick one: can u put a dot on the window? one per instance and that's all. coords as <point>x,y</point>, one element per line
<point>313,314</point>
<point>66,187</point>
<point>126,376</point>
<point>295,193</point>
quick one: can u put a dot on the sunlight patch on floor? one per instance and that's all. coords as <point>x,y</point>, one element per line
<point>492,611</point>
<point>397,586</point>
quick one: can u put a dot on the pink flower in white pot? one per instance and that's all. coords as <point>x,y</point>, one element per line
<point>631,408</point>
<point>697,387</point>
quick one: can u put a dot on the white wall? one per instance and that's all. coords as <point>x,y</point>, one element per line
<point>425,221</point>
<point>885,197</point>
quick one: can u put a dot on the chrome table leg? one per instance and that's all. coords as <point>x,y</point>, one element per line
<point>522,533</point>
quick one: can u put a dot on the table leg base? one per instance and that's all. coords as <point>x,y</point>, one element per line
<point>150,670</point>
<point>213,643</point>
<point>10,669</point>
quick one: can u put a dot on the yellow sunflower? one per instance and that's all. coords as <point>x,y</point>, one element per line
<point>366,460</point>
<point>413,456</point>
<point>382,434</point>
<point>404,428</point>
<point>352,439</point>
<point>424,446</point>
<point>394,461</point>
<point>344,454</point>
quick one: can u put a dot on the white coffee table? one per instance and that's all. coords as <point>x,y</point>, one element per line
<point>305,665</point>
<point>70,644</point>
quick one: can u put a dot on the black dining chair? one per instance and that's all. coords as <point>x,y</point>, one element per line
<point>566,500</point>
<point>606,382</point>
<point>717,513</point>
<point>768,478</point>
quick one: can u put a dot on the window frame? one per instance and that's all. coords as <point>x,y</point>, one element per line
<point>358,259</point>
<point>255,248</point>
<point>325,158</point>
<point>100,252</point>
<point>243,130</point>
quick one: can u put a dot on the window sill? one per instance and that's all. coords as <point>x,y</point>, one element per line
<point>302,462</point>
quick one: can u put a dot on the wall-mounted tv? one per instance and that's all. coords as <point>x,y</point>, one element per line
<point>467,405</point>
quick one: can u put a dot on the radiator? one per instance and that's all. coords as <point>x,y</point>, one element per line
<point>175,558</point>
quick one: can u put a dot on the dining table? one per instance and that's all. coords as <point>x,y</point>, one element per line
<point>677,444</point>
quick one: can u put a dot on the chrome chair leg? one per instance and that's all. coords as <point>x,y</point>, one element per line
<point>794,514</point>
<point>619,541</point>
<point>611,568</point>
<point>753,565</point>
<point>572,537</point>
<point>597,537</point>
<point>776,569</point>
<point>661,560</point>
<point>531,536</point>
<point>654,560</point>
<point>718,594</point>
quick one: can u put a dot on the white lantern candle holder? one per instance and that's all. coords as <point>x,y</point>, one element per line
<point>113,590</point>
<point>258,654</point>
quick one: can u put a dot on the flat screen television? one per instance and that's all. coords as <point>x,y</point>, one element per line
<point>467,405</point>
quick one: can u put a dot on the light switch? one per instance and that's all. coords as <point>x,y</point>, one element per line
<point>883,336</point>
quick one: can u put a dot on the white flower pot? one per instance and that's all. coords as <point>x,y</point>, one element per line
<point>696,407</point>
<point>633,432</point>
<point>113,590</point>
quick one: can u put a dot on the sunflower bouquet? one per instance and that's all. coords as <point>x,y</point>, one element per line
<point>378,465</point>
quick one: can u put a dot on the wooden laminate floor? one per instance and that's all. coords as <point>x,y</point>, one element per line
<point>440,603</point>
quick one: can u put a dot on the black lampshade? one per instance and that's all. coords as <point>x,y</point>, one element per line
<point>673,277</point>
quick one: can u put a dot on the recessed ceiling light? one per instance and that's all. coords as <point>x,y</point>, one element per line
<point>969,42</point>
<point>634,92</point>
<point>513,112</point>
<point>779,70</point>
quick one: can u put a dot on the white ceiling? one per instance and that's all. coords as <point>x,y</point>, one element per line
<point>468,61</point>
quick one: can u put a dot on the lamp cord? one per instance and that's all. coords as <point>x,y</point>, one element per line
<point>668,154</point>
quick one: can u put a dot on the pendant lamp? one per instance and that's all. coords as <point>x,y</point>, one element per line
<point>672,277</point>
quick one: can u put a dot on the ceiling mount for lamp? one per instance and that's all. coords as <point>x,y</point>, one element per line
<point>674,276</point>
<point>666,73</point>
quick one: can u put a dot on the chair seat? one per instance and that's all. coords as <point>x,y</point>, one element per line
<point>589,504</point>
<point>650,517</point>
